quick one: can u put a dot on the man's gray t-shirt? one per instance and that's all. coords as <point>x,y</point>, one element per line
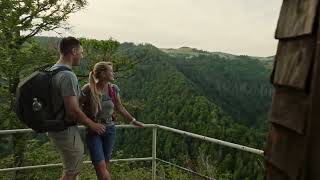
<point>65,83</point>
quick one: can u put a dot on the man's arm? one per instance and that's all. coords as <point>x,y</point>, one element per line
<point>74,112</point>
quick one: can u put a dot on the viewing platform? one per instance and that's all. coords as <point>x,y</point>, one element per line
<point>153,156</point>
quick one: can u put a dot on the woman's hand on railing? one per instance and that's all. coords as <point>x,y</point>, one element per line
<point>136,123</point>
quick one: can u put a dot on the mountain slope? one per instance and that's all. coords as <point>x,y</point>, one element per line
<point>173,93</point>
<point>240,85</point>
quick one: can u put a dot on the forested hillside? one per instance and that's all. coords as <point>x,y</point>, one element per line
<point>238,84</point>
<point>206,94</point>
<point>213,94</point>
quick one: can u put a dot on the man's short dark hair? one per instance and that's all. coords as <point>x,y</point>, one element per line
<point>67,44</point>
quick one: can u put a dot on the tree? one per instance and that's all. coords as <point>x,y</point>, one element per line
<point>107,50</point>
<point>20,20</point>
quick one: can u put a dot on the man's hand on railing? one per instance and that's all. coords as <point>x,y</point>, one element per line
<point>98,128</point>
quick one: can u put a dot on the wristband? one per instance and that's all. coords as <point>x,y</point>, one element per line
<point>133,120</point>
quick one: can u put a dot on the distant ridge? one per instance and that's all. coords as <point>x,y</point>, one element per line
<point>190,52</point>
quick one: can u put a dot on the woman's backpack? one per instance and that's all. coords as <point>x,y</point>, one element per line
<point>86,96</point>
<point>113,95</point>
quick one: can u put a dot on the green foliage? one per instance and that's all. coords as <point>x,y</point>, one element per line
<point>99,50</point>
<point>170,91</point>
<point>181,93</point>
<point>239,85</point>
<point>19,22</point>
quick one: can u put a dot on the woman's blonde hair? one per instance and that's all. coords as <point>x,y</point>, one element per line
<point>93,80</point>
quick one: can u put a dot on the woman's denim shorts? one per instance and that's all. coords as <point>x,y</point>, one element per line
<point>100,146</point>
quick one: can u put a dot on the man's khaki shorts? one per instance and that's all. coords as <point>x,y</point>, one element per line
<point>70,147</point>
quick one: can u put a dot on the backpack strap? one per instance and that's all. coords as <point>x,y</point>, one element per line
<point>113,95</point>
<point>85,101</point>
<point>53,73</point>
<point>57,70</point>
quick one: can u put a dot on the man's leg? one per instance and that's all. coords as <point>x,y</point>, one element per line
<point>70,147</point>
<point>70,177</point>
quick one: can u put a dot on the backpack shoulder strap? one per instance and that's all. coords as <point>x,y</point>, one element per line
<point>85,101</point>
<point>85,95</point>
<point>54,72</point>
<point>57,70</point>
<point>112,93</point>
<point>86,89</point>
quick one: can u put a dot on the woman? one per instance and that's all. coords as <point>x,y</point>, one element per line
<point>99,99</point>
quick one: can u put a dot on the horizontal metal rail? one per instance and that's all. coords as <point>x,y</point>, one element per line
<point>17,131</point>
<point>60,164</point>
<point>205,138</point>
<point>185,169</point>
<point>212,140</point>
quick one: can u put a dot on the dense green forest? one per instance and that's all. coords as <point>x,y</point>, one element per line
<point>217,96</point>
<point>213,94</point>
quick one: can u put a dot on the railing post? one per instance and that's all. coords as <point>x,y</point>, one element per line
<point>154,152</point>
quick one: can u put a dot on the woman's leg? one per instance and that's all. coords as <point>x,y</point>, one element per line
<point>101,170</point>
<point>95,146</point>
<point>108,143</point>
<point>108,166</point>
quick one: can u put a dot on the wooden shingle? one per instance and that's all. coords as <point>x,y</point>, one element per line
<point>296,18</point>
<point>290,109</point>
<point>293,62</point>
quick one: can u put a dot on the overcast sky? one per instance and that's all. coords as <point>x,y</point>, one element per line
<point>231,26</point>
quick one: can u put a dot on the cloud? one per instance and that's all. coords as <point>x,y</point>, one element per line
<point>238,27</point>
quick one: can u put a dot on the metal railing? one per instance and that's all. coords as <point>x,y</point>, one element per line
<point>153,158</point>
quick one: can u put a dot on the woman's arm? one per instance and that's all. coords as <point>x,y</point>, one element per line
<point>122,110</point>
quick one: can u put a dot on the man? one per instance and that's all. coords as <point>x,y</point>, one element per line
<point>66,90</point>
